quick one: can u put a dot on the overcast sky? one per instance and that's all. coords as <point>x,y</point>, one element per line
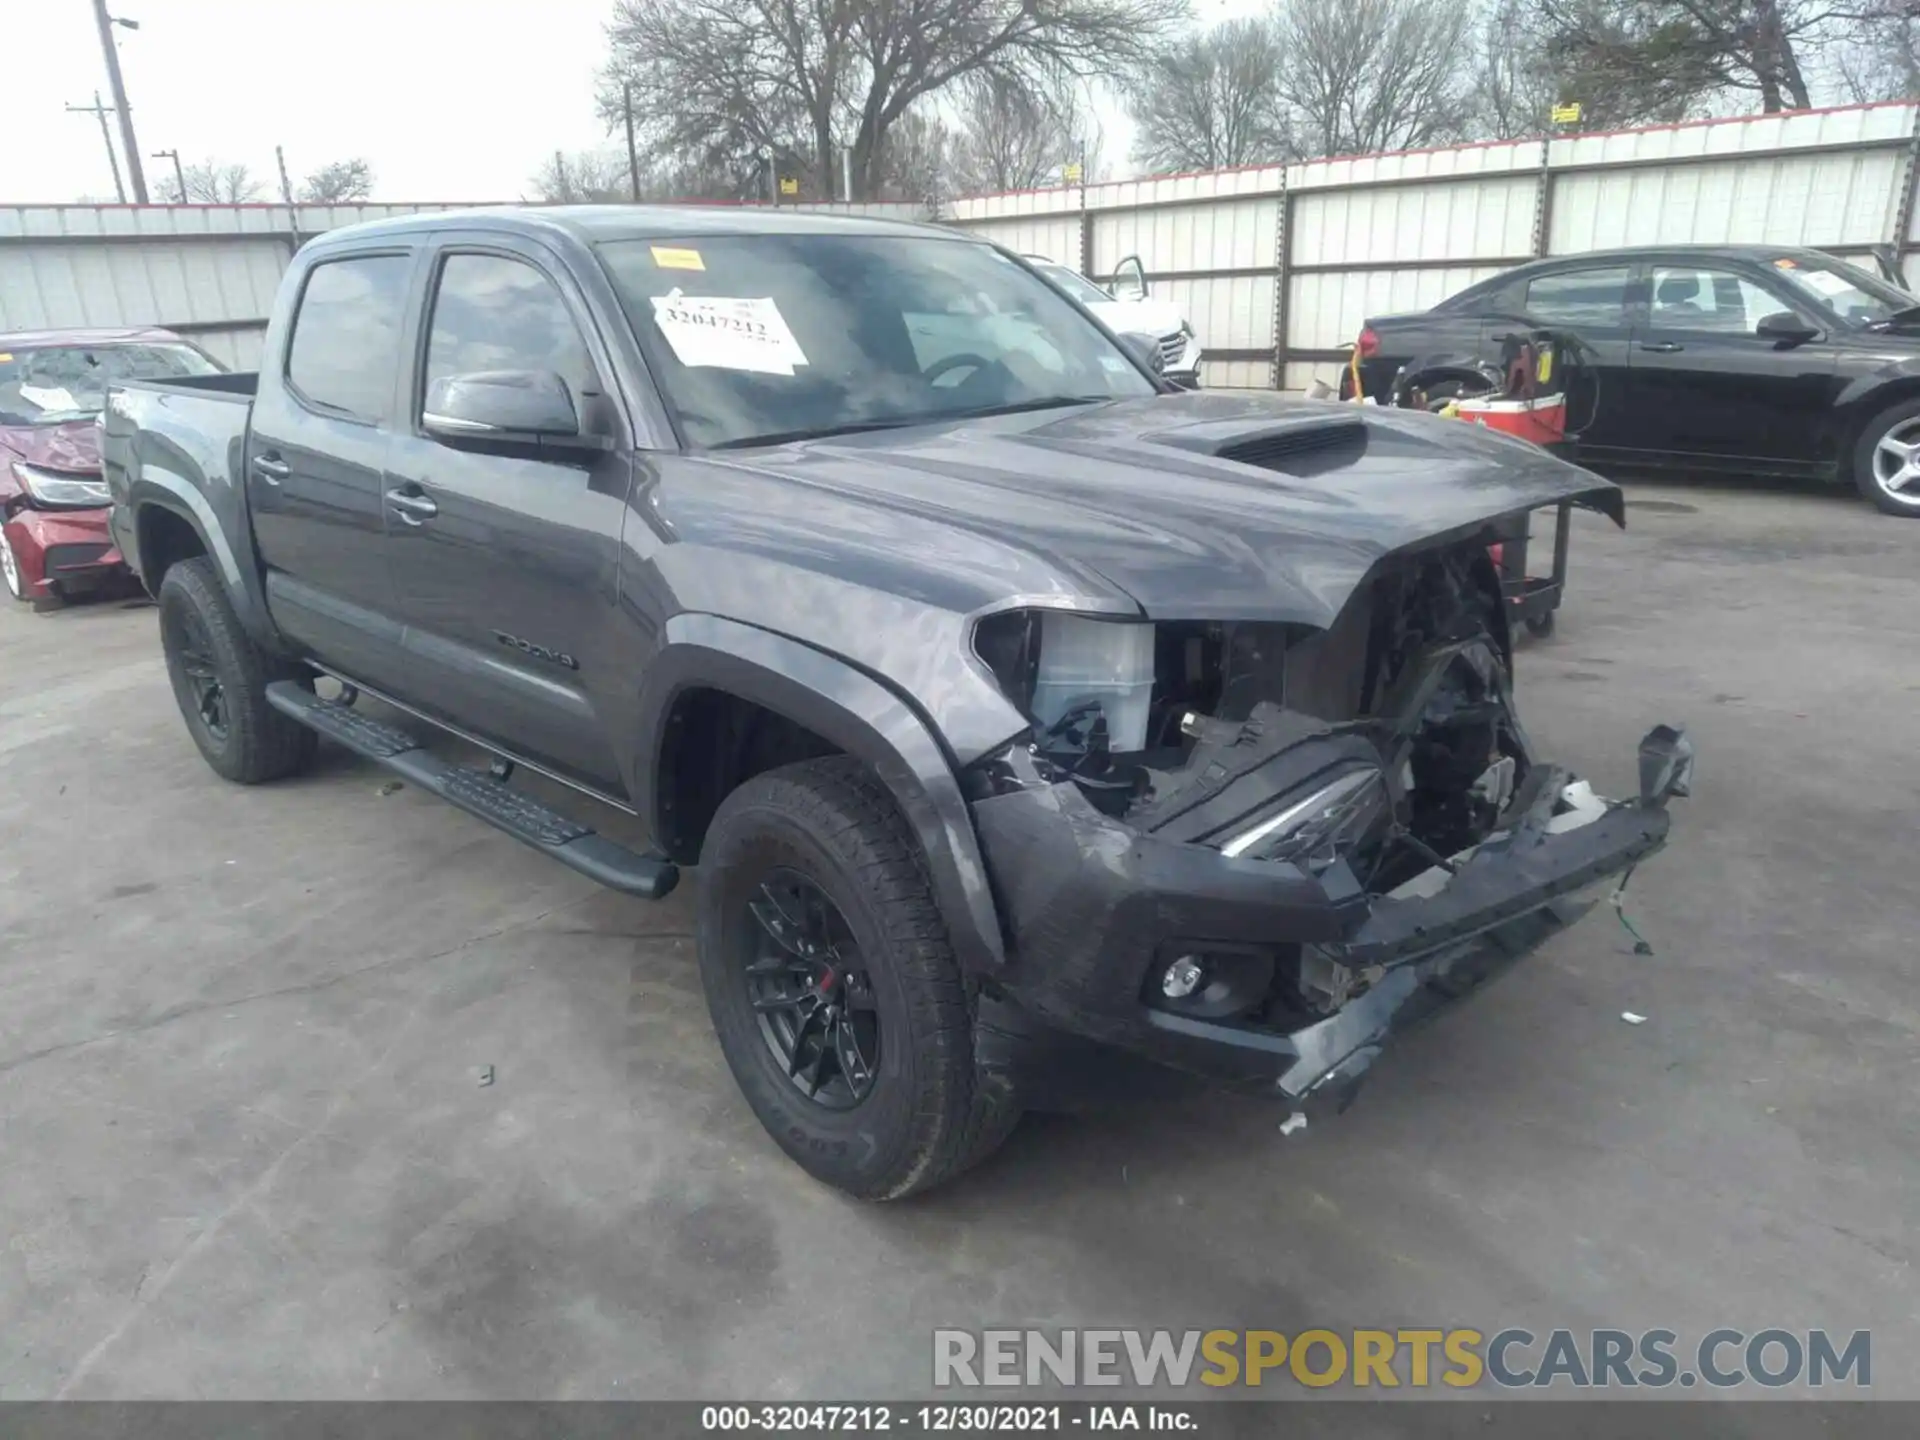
<point>448,99</point>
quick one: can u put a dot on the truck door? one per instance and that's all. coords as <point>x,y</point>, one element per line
<point>504,554</point>
<point>316,460</point>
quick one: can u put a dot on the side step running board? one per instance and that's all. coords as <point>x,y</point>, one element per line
<point>479,794</point>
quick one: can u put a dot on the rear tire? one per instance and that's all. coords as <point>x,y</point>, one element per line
<point>220,680</point>
<point>1882,472</point>
<point>925,1113</point>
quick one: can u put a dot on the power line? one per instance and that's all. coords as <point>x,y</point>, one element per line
<point>106,137</point>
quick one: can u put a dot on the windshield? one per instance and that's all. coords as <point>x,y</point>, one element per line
<point>768,337</point>
<point>1852,294</point>
<point>55,383</point>
<point>1072,284</point>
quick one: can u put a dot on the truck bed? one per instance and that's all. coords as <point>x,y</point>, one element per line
<point>237,385</point>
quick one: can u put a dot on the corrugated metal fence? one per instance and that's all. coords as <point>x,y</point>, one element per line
<point>1276,266</point>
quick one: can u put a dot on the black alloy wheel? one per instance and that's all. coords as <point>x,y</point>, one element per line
<point>193,653</point>
<point>810,991</point>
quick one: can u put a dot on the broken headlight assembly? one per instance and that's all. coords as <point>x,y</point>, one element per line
<point>1330,818</point>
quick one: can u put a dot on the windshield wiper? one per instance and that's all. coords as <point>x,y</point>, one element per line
<point>821,432</point>
<point>1045,402</point>
<point>901,422</point>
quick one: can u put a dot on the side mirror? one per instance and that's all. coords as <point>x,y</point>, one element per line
<point>1129,280</point>
<point>1785,329</point>
<point>1146,350</point>
<point>523,406</point>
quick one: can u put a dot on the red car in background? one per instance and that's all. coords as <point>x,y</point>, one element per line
<point>54,540</point>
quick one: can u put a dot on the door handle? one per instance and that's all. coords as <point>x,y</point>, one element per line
<point>414,509</point>
<point>271,468</point>
<point>1662,347</point>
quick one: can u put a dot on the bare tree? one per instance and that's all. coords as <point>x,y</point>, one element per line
<point>726,81</point>
<point>1212,100</point>
<point>1370,75</point>
<point>1648,59</point>
<point>587,177</point>
<point>341,182</point>
<point>1512,84</point>
<point>1015,134</point>
<point>1878,54</point>
<point>915,160</point>
<point>211,183</point>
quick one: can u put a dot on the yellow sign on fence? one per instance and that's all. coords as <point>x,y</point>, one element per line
<point>1070,173</point>
<point>789,185</point>
<point>1568,114</point>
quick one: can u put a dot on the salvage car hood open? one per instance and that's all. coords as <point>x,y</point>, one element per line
<point>1196,506</point>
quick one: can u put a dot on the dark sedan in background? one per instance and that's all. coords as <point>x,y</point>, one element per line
<point>1742,359</point>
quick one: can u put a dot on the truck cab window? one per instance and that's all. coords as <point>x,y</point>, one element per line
<point>493,313</point>
<point>346,334</point>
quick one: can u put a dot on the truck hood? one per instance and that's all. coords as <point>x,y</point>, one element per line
<point>72,447</point>
<point>1135,501</point>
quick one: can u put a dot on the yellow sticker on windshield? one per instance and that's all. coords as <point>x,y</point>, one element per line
<point>670,259</point>
<point>5,358</point>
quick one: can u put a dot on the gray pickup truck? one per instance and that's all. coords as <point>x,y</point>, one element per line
<point>1012,706</point>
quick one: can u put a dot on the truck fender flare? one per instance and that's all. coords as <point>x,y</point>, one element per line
<point>851,710</point>
<point>159,489</point>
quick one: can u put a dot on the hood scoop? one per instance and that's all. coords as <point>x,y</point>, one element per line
<point>1301,449</point>
<point>1306,446</point>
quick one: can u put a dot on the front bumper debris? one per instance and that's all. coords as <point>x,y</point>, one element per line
<point>1094,908</point>
<point>67,549</point>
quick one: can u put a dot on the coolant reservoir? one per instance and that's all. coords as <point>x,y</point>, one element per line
<point>1106,661</point>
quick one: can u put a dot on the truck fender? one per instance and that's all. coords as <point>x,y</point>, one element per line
<point>853,711</point>
<point>155,488</point>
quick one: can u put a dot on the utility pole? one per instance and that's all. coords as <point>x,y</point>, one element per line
<point>179,175</point>
<point>106,136</point>
<point>131,146</point>
<point>286,185</point>
<point>633,156</point>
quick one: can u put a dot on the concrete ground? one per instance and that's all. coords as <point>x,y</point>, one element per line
<point>244,1150</point>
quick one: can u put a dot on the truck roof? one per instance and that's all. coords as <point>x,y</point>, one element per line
<point>593,224</point>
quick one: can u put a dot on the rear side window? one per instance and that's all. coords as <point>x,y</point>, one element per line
<point>1580,297</point>
<point>346,335</point>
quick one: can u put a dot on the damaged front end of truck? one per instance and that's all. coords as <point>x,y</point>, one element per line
<point>1251,851</point>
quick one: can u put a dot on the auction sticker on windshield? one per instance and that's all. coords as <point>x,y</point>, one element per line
<point>728,333</point>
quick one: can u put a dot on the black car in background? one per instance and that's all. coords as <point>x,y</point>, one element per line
<point>1742,359</point>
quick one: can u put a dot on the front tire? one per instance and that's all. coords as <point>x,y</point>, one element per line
<point>1886,461</point>
<point>833,986</point>
<point>220,680</point>
<point>10,568</point>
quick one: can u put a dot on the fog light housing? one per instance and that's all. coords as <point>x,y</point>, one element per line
<point>1209,980</point>
<point>1183,977</point>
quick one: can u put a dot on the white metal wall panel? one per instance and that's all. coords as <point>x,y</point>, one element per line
<point>1016,202</point>
<point>1172,189</point>
<point>159,282</point>
<point>1236,374</point>
<point>1742,135</point>
<point>1056,237</point>
<point>1226,314</point>
<point>1762,200</point>
<point>1485,220</point>
<point>1454,162</point>
<point>1324,311</point>
<point>1226,235</point>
